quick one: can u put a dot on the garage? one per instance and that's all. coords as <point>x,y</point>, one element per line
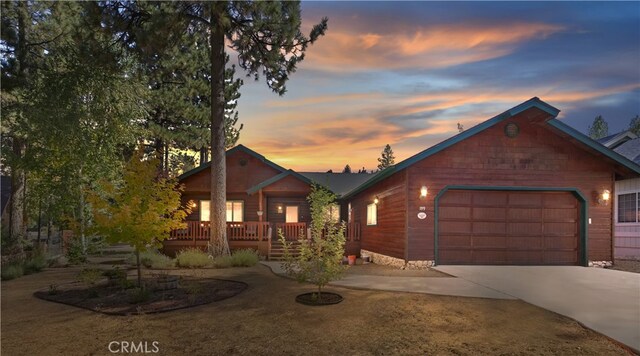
<point>508,227</point>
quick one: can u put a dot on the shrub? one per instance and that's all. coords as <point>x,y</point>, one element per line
<point>156,260</point>
<point>244,258</point>
<point>75,253</point>
<point>223,262</point>
<point>35,264</point>
<point>12,271</point>
<point>90,276</point>
<point>115,274</point>
<point>139,295</point>
<point>193,258</point>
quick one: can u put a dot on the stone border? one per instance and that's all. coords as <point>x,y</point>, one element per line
<point>396,262</point>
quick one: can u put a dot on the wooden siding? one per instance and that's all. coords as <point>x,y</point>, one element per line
<point>627,235</point>
<point>537,157</point>
<point>304,215</point>
<point>388,236</point>
<point>243,172</point>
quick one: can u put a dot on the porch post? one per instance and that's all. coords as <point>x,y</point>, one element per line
<point>260,232</point>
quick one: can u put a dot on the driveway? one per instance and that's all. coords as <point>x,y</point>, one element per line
<point>604,300</point>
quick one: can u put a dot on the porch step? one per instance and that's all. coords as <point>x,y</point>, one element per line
<point>277,250</point>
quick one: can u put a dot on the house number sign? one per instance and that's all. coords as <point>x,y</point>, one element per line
<point>422,215</point>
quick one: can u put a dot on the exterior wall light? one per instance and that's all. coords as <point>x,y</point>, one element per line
<point>423,192</point>
<point>604,198</point>
<point>279,209</point>
<point>259,212</point>
<point>192,204</point>
<point>376,200</point>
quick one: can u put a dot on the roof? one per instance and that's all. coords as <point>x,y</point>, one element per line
<point>276,178</point>
<point>630,149</point>
<point>534,102</point>
<point>339,183</point>
<point>229,152</point>
<point>615,140</point>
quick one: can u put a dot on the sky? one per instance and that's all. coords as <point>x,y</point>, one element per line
<point>405,73</point>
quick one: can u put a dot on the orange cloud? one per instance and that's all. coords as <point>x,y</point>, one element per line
<point>427,47</point>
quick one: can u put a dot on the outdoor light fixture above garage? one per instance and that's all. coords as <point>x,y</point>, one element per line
<point>603,199</point>
<point>423,192</point>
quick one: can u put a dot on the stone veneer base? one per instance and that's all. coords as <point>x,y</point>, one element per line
<point>600,264</point>
<point>396,262</point>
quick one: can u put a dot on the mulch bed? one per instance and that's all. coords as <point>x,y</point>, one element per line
<point>112,299</point>
<point>326,298</point>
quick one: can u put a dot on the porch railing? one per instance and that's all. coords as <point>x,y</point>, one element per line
<point>236,231</point>
<point>291,231</point>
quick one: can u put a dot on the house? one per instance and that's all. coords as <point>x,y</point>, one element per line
<point>262,199</point>
<point>521,188</point>
<point>626,200</point>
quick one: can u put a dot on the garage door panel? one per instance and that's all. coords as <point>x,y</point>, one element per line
<point>525,214</point>
<point>524,229</point>
<point>490,214</point>
<point>489,228</point>
<point>479,242</point>
<point>455,241</point>
<point>508,227</point>
<point>455,213</point>
<point>524,243</point>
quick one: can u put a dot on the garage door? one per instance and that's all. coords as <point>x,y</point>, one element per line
<point>508,228</point>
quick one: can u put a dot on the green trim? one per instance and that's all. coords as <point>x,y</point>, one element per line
<point>531,103</point>
<point>276,178</point>
<point>230,152</point>
<point>615,156</point>
<point>584,212</point>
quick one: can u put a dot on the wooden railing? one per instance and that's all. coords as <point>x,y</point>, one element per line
<point>237,231</point>
<point>291,231</point>
<point>352,231</point>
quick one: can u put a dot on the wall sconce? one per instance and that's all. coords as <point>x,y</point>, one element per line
<point>192,204</point>
<point>604,197</point>
<point>259,212</point>
<point>279,209</point>
<point>423,192</point>
<point>376,200</point>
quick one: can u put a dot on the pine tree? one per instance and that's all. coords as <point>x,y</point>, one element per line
<point>634,125</point>
<point>347,169</point>
<point>387,159</point>
<point>267,39</point>
<point>599,128</point>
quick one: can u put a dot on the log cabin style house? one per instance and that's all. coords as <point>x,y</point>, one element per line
<point>521,188</point>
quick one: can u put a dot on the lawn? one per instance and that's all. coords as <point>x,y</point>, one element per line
<point>264,319</point>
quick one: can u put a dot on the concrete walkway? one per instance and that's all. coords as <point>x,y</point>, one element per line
<point>604,300</point>
<point>428,285</point>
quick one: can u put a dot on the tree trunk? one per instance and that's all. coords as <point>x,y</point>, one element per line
<point>218,239</point>
<point>139,269</point>
<point>81,216</point>
<point>18,183</point>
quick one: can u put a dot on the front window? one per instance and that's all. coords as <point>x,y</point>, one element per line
<point>372,214</point>
<point>349,212</point>
<point>291,214</point>
<point>205,210</point>
<point>235,209</point>
<point>629,208</point>
<point>334,213</point>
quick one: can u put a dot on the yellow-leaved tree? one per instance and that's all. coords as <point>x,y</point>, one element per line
<point>140,210</point>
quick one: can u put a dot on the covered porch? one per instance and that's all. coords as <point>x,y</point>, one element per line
<point>258,235</point>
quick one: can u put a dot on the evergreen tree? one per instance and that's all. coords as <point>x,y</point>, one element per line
<point>267,39</point>
<point>460,127</point>
<point>599,128</point>
<point>347,169</point>
<point>387,159</point>
<point>634,125</point>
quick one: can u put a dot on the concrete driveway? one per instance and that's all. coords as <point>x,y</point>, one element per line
<point>604,300</point>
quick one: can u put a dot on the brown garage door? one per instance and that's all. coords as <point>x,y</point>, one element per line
<point>508,228</point>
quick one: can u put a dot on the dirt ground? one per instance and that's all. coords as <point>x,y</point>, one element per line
<point>264,320</point>
<point>627,265</point>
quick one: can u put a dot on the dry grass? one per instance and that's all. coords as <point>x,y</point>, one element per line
<point>264,319</point>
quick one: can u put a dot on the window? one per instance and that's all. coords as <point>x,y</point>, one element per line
<point>628,208</point>
<point>372,214</point>
<point>235,209</point>
<point>334,213</point>
<point>292,214</point>
<point>349,212</point>
<point>205,210</point>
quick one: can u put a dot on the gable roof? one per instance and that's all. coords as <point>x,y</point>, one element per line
<point>615,140</point>
<point>534,102</point>
<point>230,152</point>
<point>277,178</point>
<point>338,183</point>
<point>630,149</point>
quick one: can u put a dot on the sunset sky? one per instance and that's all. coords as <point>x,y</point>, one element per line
<point>405,73</point>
